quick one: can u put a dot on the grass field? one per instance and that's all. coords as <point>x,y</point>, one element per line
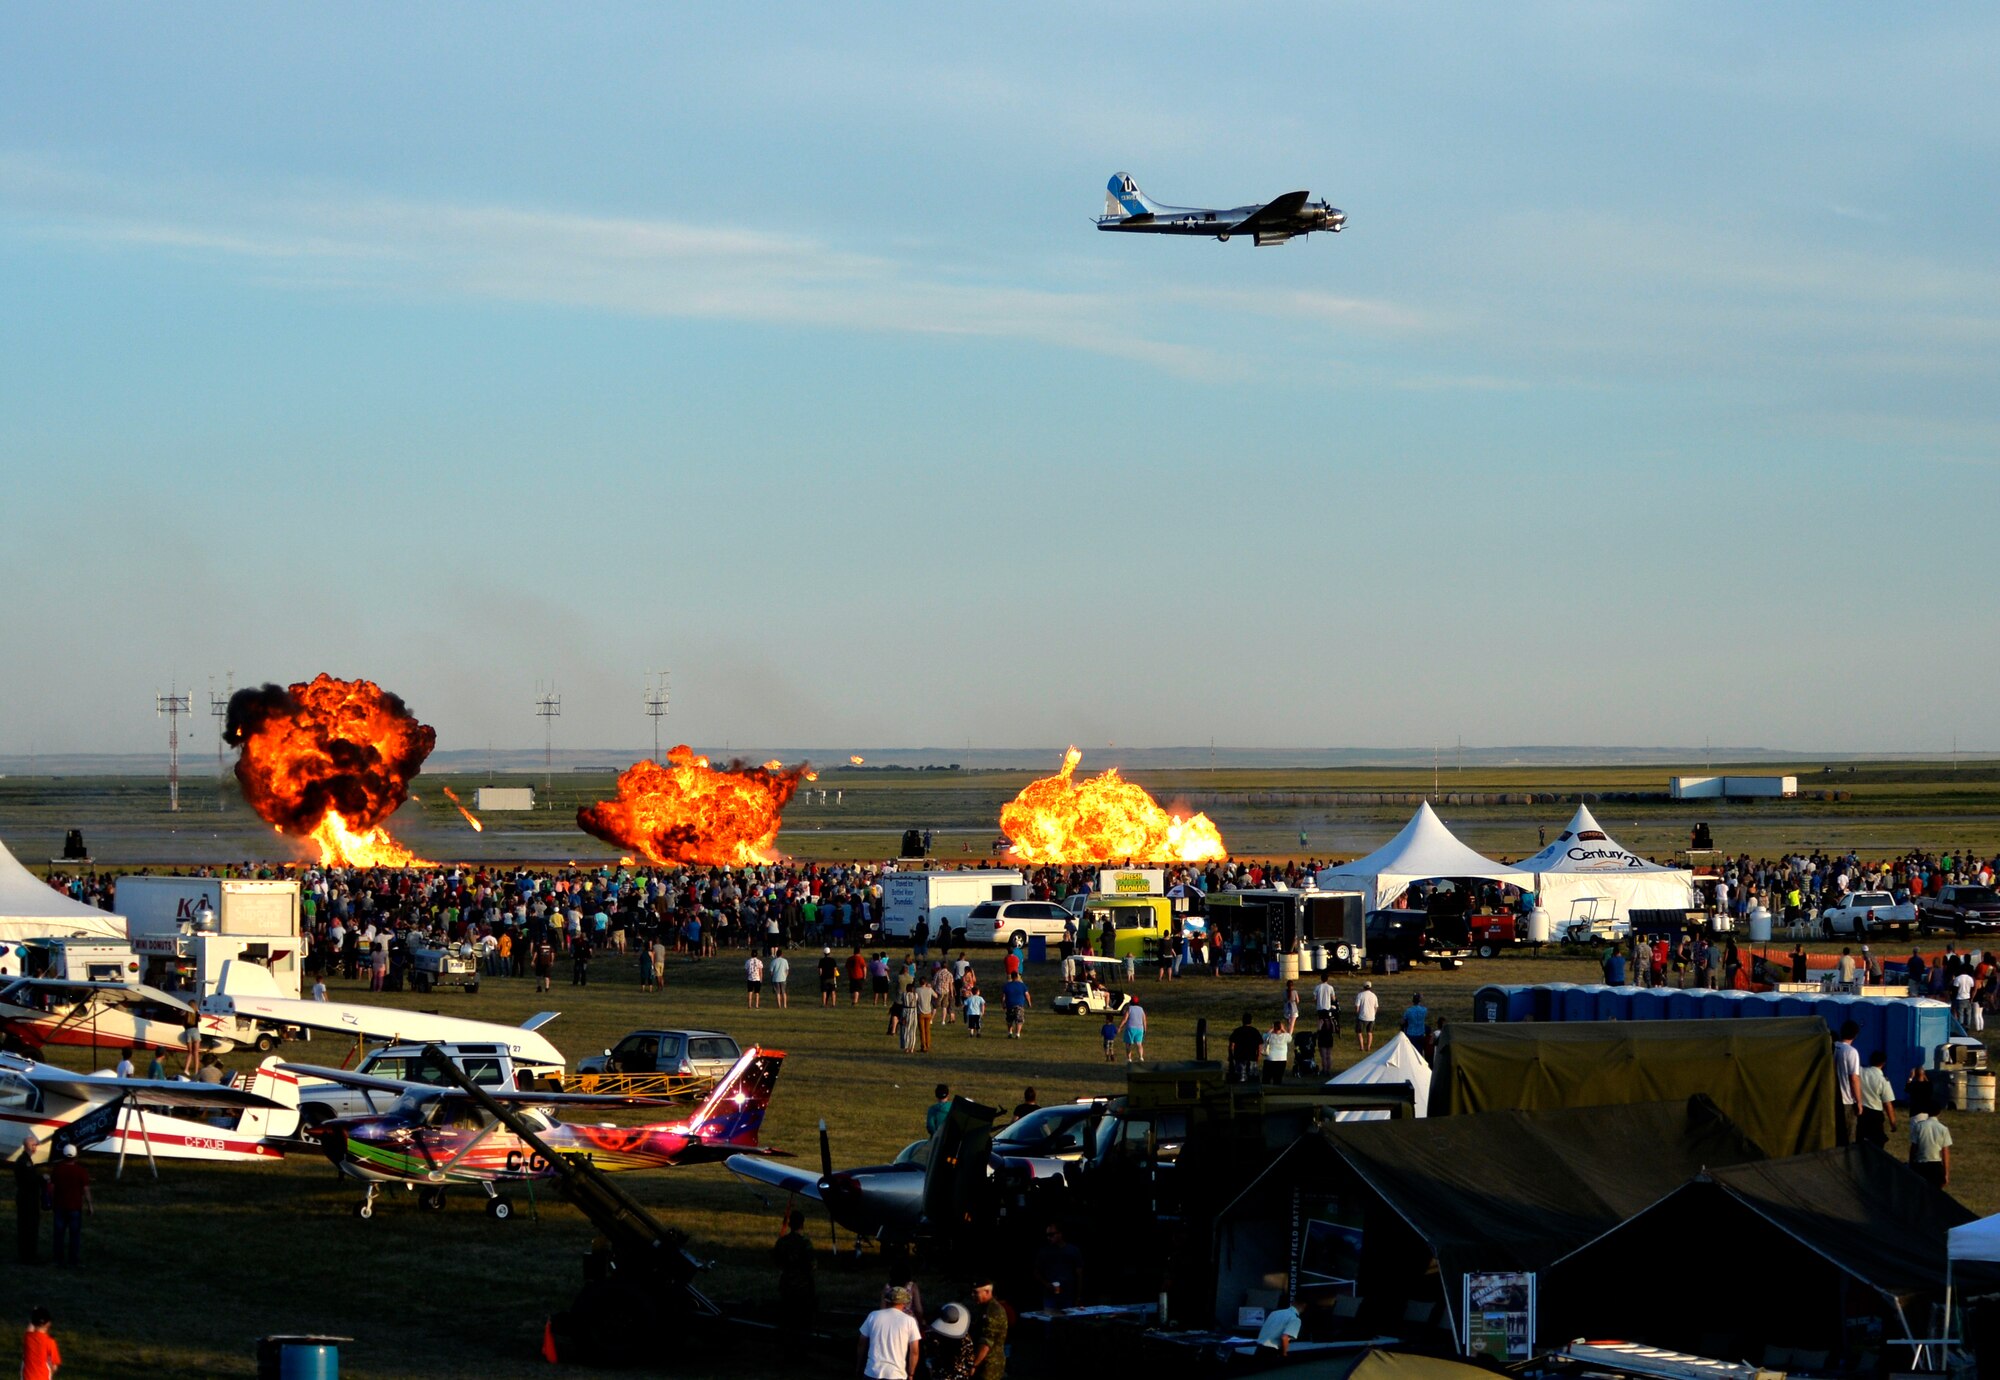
<point>182,1275</point>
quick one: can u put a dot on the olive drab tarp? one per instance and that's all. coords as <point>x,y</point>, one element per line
<point>1386,1365</point>
<point>1772,1077</point>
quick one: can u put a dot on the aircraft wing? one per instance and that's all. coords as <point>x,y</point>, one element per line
<point>368,1082</point>
<point>148,1092</point>
<point>803,1182</point>
<point>1271,213</point>
<point>539,1019</point>
<point>134,989</point>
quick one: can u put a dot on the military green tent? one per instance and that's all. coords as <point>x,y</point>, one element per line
<point>1772,1077</point>
<point>1385,1365</point>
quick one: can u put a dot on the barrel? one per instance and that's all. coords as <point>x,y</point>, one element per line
<point>1538,926</point>
<point>1760,926</point>
<point>1979,1092</point>
<point>1319,958</point>
<point>1288,967</point>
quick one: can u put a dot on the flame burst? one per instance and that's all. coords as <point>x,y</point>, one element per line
<point>470,818</point>
<point>330,761</point>
<point>855,760</point>
<point>1104,819</point>
<point>689,812</point>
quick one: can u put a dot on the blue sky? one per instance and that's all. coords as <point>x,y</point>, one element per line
<point>1649,396</point>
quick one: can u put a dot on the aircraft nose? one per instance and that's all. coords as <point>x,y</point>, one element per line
<point>332,1141</point>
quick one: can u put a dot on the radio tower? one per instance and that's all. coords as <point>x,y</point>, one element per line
<point>548,707</point>
<point>171,706</point>
<point>656,705</point>
<point>218,708</point>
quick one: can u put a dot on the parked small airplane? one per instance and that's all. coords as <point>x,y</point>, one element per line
<point>108,1015</point>
<point>247,1002</point>
<point>1127,208</point>
<point>432,1136</point>
<point>97,1111</point>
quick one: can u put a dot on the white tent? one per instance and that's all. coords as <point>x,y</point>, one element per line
<point>1585,865</point>
<point>32,909</point>
<point>1399,1061</point>
<point>1425,849</point>
<point>1975,1240</point>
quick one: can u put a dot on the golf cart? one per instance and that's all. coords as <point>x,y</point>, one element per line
<point>1086,992</point>
<point>446,967</point>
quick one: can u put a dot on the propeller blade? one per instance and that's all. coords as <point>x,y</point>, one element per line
<point>826,1172</point>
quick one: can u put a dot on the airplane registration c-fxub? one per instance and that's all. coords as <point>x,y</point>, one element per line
<point>1128,209</point>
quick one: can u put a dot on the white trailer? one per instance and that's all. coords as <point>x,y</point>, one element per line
<point>241,905</point>
<point>503,798</point>
<point>943,898</point>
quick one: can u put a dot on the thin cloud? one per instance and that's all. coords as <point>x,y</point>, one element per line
<point>641,266</point>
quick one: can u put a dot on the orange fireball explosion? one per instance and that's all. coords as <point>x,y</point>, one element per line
<point>1106,819</point>
<point>689,812</point>
<point>330,761</point>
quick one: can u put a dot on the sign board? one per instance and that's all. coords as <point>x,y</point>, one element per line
<point>1131,881</point>
<point>1499,1313</point>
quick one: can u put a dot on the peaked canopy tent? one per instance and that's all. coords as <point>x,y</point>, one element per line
<point>1583,863</point>
<point>32,909</point>
<point>1423,850</point>
<point>1398,1061</point>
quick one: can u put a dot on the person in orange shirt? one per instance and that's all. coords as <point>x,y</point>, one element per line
<point>40,1356</point>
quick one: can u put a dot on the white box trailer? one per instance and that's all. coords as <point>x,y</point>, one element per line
<point>943,898</point>
<point>1766,787</point>
<point>1694,787</point>
<point>242,905</point>
<point>503,798</point>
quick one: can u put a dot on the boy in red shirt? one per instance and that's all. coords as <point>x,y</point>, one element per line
<point>39,1354</point>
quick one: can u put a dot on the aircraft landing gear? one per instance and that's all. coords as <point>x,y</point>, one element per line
<point>365,1209</point>
<point>497,1207</point>
<point>431,1200</point>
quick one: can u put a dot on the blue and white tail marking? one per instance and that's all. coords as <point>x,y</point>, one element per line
<point>1122,197</point>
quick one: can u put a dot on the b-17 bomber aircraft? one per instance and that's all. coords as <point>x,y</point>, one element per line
<point>1129,209</point>
<point>427,1136</point>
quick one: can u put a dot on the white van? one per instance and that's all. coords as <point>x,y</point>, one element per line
<point>1014,923</point>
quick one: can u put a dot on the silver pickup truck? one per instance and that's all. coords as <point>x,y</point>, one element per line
<point>490,1066</point>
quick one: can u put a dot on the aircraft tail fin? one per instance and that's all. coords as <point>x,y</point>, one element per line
<point>734,1112</point>
<point>272,1123</point>
<point>1122,197</point>
<point>242,979</point>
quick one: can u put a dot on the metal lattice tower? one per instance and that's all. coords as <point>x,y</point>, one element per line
<point>171,706</point>
<point>548,708</point>
<point>218,708</point>
<point>656,704</point>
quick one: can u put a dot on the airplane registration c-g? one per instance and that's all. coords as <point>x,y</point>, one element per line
<point>1129,209</point>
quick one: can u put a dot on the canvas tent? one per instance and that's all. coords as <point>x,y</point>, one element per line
<point>1584,864</point>
<point>1772,1077</point>
<point>1398,1061</point>
<point>32,909</point>
<point>1423,850</point>
<point>1397,1213</point>
<point>1820,1241</point>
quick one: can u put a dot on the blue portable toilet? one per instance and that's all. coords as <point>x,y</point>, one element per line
<point>1648,1004</point>
<point>1754,1004</point>
<point>1493,1003</point>
<point>1683,1005</point>
<point>1579,1003</point>
<point>1795,1004</point>
<point>1548,1000</point>
<point>1721,1006</point>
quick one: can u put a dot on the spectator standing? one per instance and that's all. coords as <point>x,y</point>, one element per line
<point>975,1012</point>
<point>40,1356</point>
<point>1132,1025</point>
<point>923,1000</point>
<point>1416,1023</point>
<point>781,976</point>
<point>989,1350</point>
<point>1847,1081</point>
<point>579,963</point>
<point>1366,1006</point>
<point>1245,1043</point>
<point>1059,1270</point>
<point>1878,1103</point>
<point>1930,1149</point>
<point>797,1290</point>
<point>1015,998</point>
<point>157,1069</point>
<point>887,1349</point>
<point>753,981</point>
<point>1276,1051</point>
<point>28,1184</point>
<point>939,1109</point>
<point>1288,1010</point>
<point>951,1349</point>
<point>69,1194</point>
<point>1029,1103</point>
<point>829,977</point>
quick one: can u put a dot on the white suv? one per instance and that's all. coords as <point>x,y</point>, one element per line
<point>1013,922</point>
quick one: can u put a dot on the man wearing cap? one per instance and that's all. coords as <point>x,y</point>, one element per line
<point>887,1347</point>
<point>1366,1006</point>
<point>69,1184</point>
<point>28,1202</point>
<point>989,1351</point>
<point>829,976</point>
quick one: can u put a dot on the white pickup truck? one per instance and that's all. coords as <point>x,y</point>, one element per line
<point>1867,913</point>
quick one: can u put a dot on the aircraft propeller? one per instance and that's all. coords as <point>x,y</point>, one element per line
<point>825,1173</point>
